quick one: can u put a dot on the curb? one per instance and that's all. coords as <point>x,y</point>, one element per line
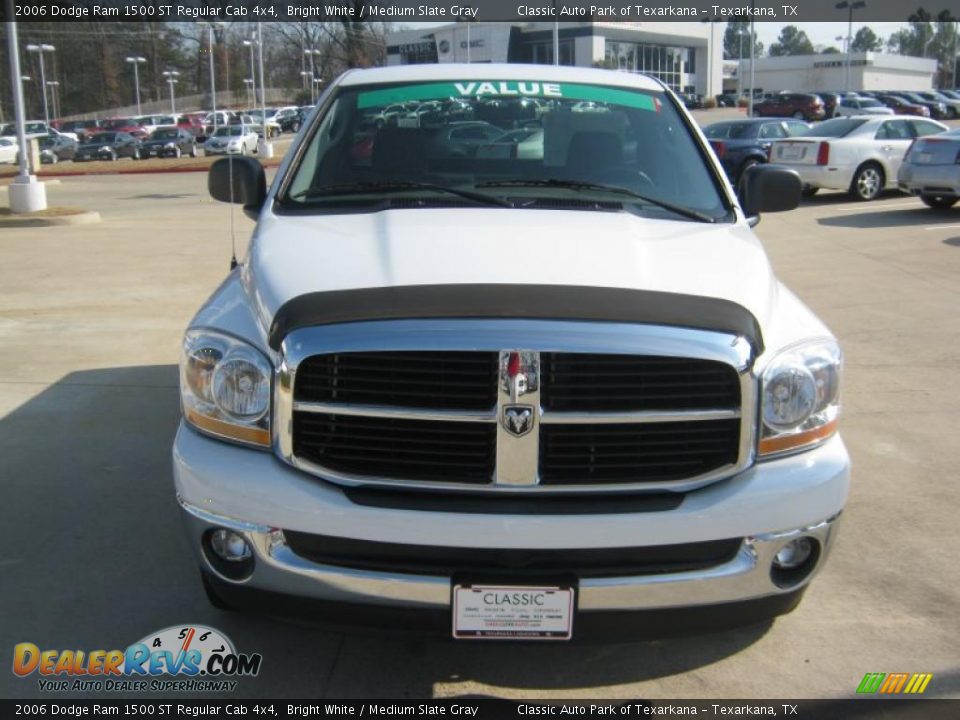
<point>81,218</point>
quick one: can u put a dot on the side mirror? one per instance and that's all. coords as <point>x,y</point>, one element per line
<point>238,180</point>
<point>769,188</point>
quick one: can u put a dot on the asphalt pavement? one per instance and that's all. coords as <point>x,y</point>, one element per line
<point>93,555</point>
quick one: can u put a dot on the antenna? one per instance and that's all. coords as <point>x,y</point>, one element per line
<point>233,233</point>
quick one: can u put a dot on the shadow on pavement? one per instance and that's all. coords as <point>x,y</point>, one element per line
<point>93,545</point>
<point>912,217</point>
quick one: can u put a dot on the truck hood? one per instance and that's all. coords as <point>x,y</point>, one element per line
<point>291,256</point>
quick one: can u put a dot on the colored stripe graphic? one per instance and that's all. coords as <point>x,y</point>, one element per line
<point>894,683</point>
<point>871,682</point>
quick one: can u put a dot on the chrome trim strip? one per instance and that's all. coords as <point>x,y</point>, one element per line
<point>390,411</point>
<point>536,336</point>
<point>747,576</point>
<point>651,416</point>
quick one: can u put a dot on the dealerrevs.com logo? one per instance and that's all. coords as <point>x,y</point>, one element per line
<point>199,658</point>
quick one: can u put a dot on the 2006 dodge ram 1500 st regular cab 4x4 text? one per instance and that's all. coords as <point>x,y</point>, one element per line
<point>505,360</point>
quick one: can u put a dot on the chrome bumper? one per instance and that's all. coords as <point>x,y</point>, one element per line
<point>279,570</point>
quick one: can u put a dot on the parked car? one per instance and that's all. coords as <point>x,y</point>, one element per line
<point>461,139</point>
<point>81,128</point>
<point>32,129</point>
<point>108,146</point>
<point>692,101</point>
<point>54,148</point>
<point>802,106</point>
<point>524,143</point>
<point>741,144</point>
<point>937,109</point>
<point>8,150</point>
<point>254,118</point>
<point>222,118</point>
<point>901,106</point>
<point>192,123</point>
<point>232,140</point>
<point>831,101</point>
<point>289,119</point>
<point>125,124</point>
<point>931,169</point>
<point>650,424</point>
<point>952,105</point>
<point>858,154</point>
<point>727,100</point>
<point>850,106</point>
<point>169,142</point>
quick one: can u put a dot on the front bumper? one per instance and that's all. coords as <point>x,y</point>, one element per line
<point>255,494</point>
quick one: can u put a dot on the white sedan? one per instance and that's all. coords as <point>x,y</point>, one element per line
<point>853,106</point>
<point>8,150</point>
<point>858,154</point>
<point>232,140</point>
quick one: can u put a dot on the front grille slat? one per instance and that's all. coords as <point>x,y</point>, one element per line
<point>397,448</point>
<point>684,443</point>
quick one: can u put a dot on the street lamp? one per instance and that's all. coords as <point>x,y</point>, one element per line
<point>252,43</point>
<point>850,7</point>
<point>248,84</point>
<point>740,34</point>
<point>710,45</point>
<point>307,76</point>
<point>54,93</point>
<point>40,50</point>
<point>213,71</point>
<point>171,76</point>
<point>313,70</point>
<point>136,61</point>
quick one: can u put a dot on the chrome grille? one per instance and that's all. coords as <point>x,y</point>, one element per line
<point>625,406</point>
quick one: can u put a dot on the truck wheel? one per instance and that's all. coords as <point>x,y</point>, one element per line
<point>808,191</point>
<point>218,602</point>
<point>939,202</point>
<point>868,182</point>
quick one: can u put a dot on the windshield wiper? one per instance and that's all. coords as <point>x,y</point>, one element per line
<point>582,185</point>
<point>400,185</point>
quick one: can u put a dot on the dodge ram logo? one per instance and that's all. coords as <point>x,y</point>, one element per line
<point>518,419</point>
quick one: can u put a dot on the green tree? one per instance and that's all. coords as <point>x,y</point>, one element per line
<point>866,41</point>
<point>792,41</point>
<point>830,51</point>
<point>733,41</point>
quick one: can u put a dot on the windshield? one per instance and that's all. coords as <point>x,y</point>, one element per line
<point>164,134</point>
<point>514,142</point>
<point>103,138</point>
<point>231,130</point>
<point>836,128</point>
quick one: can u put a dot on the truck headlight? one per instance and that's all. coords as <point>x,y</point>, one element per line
<point>225,387</point>
<point>801,397</point>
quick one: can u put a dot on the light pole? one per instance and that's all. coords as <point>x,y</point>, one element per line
<point>710,46</point>
<point>753,45</point>
<point>248,84</point>
<point>40,50</point>
<point>55,95</point>
<point>253,68</point>
<point>25,193</point>
<point>313,70</point>
<point>307,76</point>
<point>740,33</point>
<point>136,61</point>
<point>850,6</point>
<point>171,76</point>
<point>265,150</point>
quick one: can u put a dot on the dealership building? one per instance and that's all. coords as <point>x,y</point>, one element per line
<point>683,55</point>
<point>821,73</point>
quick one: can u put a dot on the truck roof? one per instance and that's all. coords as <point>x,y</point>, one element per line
<point>498,71</point>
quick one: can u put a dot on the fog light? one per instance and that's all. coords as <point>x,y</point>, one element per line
<point>794,562</point>
<point>229,546</point>
<point>794,554</point>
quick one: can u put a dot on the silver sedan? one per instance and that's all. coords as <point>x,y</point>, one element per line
<point>931,169</point>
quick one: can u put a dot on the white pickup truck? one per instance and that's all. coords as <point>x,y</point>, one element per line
<point>539,397</point>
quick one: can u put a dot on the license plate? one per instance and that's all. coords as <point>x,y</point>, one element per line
<point>790,153</point>
<point>495,612</point>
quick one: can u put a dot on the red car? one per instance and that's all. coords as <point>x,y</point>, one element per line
<point>903,107</point>
<point>802,106</point>
<point>193,124</point>
<point>124,124</point>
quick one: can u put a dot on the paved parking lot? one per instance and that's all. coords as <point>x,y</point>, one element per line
<point>93,555</point>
